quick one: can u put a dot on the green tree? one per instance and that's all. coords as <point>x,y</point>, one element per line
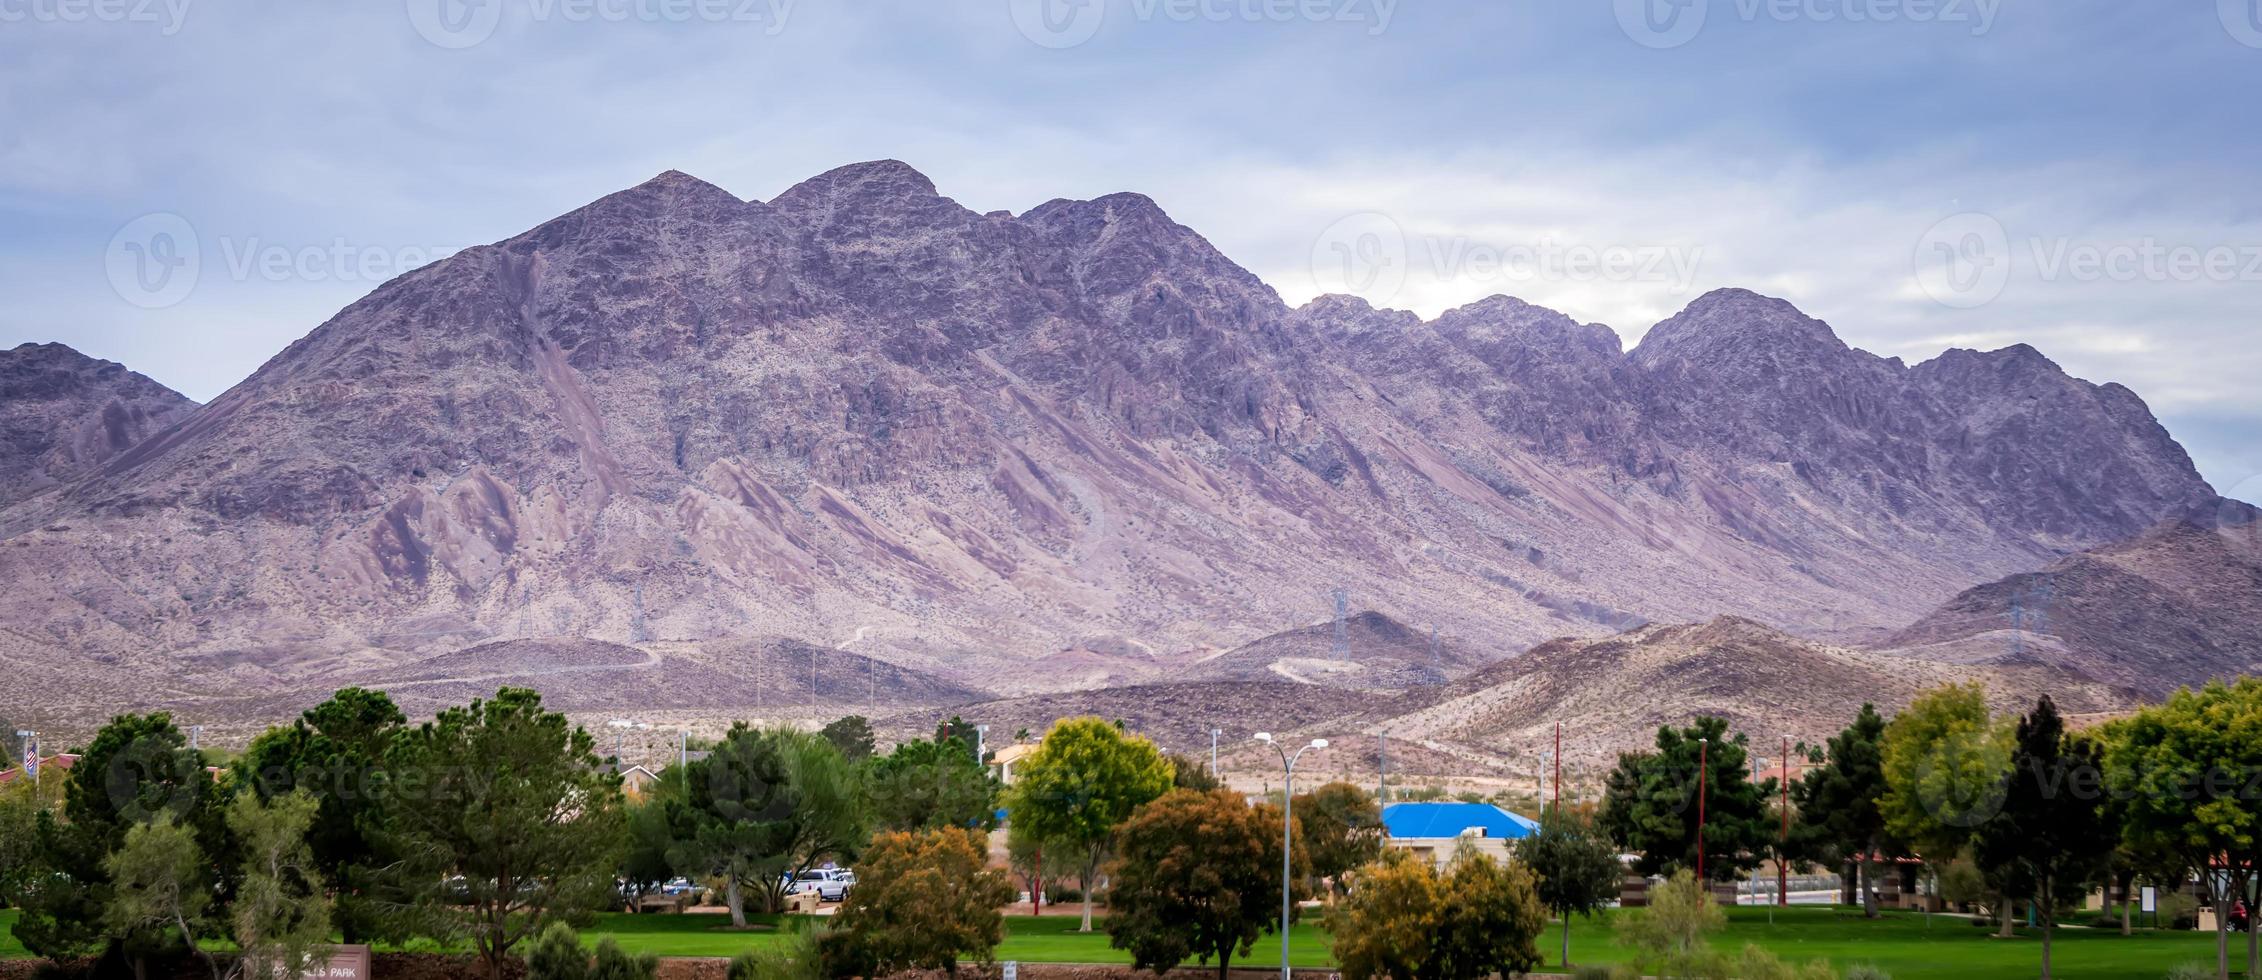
<point>924,900</point>
<point>646,864</point>
<point>1037,862</point>
<point>1652,802</point>
<point>1081,783</point>
<point>1339,828</point>
<point>1667,936</point>
<point>1837,801</point>
<point>138,769</point>
<point>1384,927</point>
<point>504,819</point>
<point>852,735</point>
<point>160,892</point>
<point>2051,829</point>
<point>731,818</point>
<point>24,805</point>
<point>334,751</point>
<point>1196,875</point>
<point>923,784</point>
<point>1578,867</point>
<point>281,913</point>
<point>2180,770</point>
<point>823,811</point>
<point>1491,920</point>
<point>1945,760</point>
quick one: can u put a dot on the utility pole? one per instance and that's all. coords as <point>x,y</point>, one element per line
<point>1782,864</point>
<point>195,737</point>
<point>1559,767</point>
<point>1704,746</point>
<point>1382,770</point>
<point>1214,733</point>
<point>683,747</point>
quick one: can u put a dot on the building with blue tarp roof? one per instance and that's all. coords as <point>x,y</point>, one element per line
<point>1434,830</point>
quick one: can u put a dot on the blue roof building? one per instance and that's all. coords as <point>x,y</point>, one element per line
<point>1431,821</point>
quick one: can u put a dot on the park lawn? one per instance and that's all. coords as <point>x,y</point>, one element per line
<point>1030,939</point>
<point>1904,945</point>
<point>1900,943</point>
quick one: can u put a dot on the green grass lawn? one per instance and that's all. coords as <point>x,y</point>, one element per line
<point>1901,943</point>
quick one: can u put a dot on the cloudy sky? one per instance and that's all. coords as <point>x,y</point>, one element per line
<point>188,185</point>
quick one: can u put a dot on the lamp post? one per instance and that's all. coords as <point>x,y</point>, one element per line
<point>1287,826</point>
<point>981,742</point>
<point>1703,749</point>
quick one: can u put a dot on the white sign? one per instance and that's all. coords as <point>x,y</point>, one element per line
<point>2151,900</point>
<point>1010,971</point>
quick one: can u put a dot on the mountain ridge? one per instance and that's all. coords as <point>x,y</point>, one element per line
<point>863,409</point>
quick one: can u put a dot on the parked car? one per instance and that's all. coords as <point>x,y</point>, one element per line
<point>830,884</point>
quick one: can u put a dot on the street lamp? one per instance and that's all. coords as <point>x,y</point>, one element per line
<point>1287,823</point>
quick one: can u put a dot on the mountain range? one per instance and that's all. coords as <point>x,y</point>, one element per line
<point>1047,451</point>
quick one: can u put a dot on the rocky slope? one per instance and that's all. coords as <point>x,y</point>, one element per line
<point>2180,604</point>
<point>861,413</point>
<point>63,414</point>
<point>1611,694</point>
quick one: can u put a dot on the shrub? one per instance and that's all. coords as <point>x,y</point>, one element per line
<point>613,963</point>
<point>1668,936</point>
<point>793,957</point>
<point>2177,910</point>
<point>1759,964</point>
<point>1866,971</point>
<point>556,954</point>
<point>922,901</point>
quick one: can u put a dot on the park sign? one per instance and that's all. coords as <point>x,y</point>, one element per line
<point>336,963</point>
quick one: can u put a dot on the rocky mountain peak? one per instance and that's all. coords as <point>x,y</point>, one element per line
<point>1498,319</point>
<point>1732,325</point>
<point>63,414</point>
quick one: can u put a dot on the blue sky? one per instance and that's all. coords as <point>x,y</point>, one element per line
<point>2080,175</point>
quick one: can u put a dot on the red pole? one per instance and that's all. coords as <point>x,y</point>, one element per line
<point>1783,865</point>
<point>1559,767</point>
<point>1703,749</point>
